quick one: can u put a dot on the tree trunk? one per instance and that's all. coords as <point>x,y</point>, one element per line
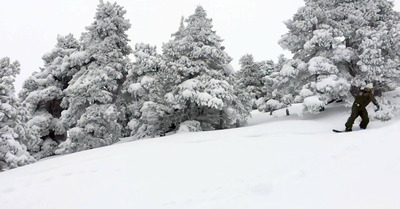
<point>221,121</point>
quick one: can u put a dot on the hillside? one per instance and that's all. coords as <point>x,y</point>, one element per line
<point>274,162</point>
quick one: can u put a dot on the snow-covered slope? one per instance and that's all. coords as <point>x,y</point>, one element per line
<point>275,162</point>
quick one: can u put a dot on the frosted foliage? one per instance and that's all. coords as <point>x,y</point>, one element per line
<point>43,92</point>
<point>390,106</point>
<point>288,70</point>
<point>343,55</point>
<point>97,127</point>
<point>321,65</point>
<point>305,93</point>
<point>135,89</point>
<point>197,47</point>
<point>297,80</point>
<point>94,85</point>
<point>260,102</point>
<point>378,60</point>
<point>313,104</point>
<point>201,86</point>
<point>12,152</point>
<point>281,85</point>
<point>328,85</point>
<point>106,38</point>
<point>91,114</point>
<point>321,39</point>
<point>293,68</point>
<point>144,83</point>
<point>209,95</point>
<point>250,77</point>
<point>151,123</point>
<point>333,86</point>
<point>77,58</point>
<point>189,126</point>
<point>142,78</point>
<point>273,104</point>
<point>205,92</point>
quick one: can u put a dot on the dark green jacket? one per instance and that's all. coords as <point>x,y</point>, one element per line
<point>363,98</point>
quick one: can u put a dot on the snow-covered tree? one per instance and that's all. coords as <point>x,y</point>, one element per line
<point>250,77</point>
<point>379,58</point>
<point>43,92</point>
<point>201,83</point>
<point>281,90</point>
<point>271,72</point>
<point>91,97</point>
<point>13,152</point>
<point>143,93</point>
<point>343,43</point>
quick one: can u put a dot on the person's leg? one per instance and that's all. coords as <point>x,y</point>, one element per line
<point>364,119</point>
<point>352,118</point>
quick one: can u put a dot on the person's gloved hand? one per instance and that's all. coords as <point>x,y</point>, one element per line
<point>377,108</point>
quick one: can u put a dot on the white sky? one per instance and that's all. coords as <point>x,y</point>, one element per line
<point>29,28</point>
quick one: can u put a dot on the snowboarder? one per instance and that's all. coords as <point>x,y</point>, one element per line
<point>362,99</point>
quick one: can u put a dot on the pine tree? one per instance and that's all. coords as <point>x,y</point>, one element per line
<point>250,77</point>
<point>92,95</point>
<point>281,89</point>
<point>343,43</point>
<point>201,83</point>
<point>43,92</point>
<point>144,90</point>
<point>12,152</point>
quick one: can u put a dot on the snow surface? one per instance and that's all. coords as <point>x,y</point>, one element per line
<point>275,162</point>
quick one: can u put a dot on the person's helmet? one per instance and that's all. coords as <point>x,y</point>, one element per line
<point>369,87</point>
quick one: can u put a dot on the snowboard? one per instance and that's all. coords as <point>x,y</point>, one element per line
<point>338,131</point>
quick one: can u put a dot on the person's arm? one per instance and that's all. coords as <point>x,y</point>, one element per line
<point>354,90</point>
<point>375,103</point>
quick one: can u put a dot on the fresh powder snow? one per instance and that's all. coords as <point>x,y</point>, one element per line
<point>275,162</point>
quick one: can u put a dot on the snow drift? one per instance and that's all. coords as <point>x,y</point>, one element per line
<point>274,162</point>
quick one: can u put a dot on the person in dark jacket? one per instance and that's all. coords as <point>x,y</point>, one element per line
<point>361,100</point>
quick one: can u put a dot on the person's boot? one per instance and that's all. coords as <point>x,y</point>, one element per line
<point>348,129</point>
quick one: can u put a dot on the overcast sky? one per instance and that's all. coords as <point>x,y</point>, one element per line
<point>29,28</point>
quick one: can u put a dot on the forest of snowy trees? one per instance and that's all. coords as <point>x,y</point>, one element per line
<point>94,90</point>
